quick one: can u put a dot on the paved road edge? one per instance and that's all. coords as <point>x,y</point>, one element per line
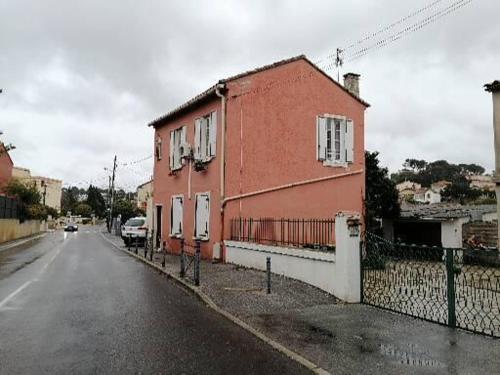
<point>21,241</point>
<point>208,301</point>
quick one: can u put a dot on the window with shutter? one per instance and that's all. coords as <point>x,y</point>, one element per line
<point>349,141</point>
<point>212,135</point>
<point>335,140</point>
<point>202,216</point>
<point>158,148</point>
<point>177,137</point>
<point>176,215</point>
<point>206,137</point>
<point>171,150</point>
<point>321,138</point>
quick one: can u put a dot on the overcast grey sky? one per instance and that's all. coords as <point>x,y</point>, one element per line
<point>81,79</point>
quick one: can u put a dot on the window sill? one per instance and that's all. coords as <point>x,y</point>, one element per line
<point>336,164</point>
<point>202,239</point>
<point>178,236</point>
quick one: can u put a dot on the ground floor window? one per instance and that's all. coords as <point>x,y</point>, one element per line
<point>202,215</point>
<point>176,214</point>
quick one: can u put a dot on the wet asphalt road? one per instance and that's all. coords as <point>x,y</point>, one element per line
<point>71,303</point>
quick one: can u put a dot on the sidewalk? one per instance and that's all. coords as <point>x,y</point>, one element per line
<point>341,338</point>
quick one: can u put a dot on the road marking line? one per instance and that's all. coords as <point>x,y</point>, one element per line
<point>15,293</point>
<point>27,283</point>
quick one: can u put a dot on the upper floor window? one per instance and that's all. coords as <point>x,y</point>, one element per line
<point>158,149</point>
<point>205,137</point>
<point>335,140</point>
<point>177,138</point>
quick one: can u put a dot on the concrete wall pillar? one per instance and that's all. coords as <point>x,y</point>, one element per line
<point>347,253</point>
<point>494,88</point>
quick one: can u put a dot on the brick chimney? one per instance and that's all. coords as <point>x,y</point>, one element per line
<point>351,83</point>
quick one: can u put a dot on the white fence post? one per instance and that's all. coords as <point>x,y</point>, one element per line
<point>347,257</point>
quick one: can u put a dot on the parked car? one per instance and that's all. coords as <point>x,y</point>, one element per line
<point>134,228</point>
<point>71,227</point>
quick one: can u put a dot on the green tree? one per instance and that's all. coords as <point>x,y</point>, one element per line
<point>96,201</point>
<point>27,194</point>
<point>381,195</point>
<point>83,209</point>
<point>69,199</point>
<point>460,191</point>
<point>414,164</point>
<point>126,209</point>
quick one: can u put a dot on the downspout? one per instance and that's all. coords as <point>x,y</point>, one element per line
<point>222,86</point>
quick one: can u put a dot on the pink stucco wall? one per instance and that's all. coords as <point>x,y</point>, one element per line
<point>165,185</point>
<point>270,141</point>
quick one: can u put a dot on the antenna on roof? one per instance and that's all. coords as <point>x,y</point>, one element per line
<point>339,61</point>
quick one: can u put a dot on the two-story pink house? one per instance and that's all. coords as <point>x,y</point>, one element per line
<point>284,140</point>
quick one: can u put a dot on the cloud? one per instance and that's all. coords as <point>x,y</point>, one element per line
<point>82,79</point>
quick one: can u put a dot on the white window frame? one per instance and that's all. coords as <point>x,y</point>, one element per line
<point>177,138</point>
<point>206,235</point>
<point>205,137</point>
<point>176,234</point>
<point>327,140</point>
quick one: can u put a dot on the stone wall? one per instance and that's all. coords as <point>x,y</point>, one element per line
<point>485,232</point>
<point>12,229</point>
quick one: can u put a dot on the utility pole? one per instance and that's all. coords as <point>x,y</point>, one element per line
<point>112,200</point>
<point>44,185</point>
<point>494,88</point>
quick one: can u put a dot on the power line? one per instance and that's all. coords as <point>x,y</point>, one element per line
<point>410,29</point>
<point>402,33</point>
<point>381,30</point>
<point>137,161</point>
<point>390,26</point>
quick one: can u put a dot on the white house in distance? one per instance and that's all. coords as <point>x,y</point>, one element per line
<point>427,195</point>
<point>409,190</point>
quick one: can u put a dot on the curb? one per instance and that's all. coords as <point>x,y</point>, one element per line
<point>208,301</point>
<point>21,241</point>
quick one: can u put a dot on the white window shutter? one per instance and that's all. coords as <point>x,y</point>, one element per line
<point>349,141</point>
<point>202,216</point>
<point>171,150</point>
<point>183,141</point>
<point>179,214</point>
<point>342,141</point>
<point>212,131</point>
<point>203,138</point>
<point>321,138</point>
<point>206,216</point>
<point>197,215</point>
<point>197,139</point>
<point>172,215</point>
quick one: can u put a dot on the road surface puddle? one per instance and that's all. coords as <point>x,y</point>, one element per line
<point>409,355</point>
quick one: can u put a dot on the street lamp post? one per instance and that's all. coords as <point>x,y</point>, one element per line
<point>494,88</point>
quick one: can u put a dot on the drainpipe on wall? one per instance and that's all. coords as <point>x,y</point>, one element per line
<point>218,89</point>
<point>494,88</point>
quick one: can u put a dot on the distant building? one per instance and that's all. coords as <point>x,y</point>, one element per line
<point>438,224</point>
<point>408,185</point>
<point>481,182</point>
<point>439,186</point>
<point>145,201</point>
<point>49,188</point>
<point>427,195</point>
<point>413,191</point>
<point>6,166</point>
